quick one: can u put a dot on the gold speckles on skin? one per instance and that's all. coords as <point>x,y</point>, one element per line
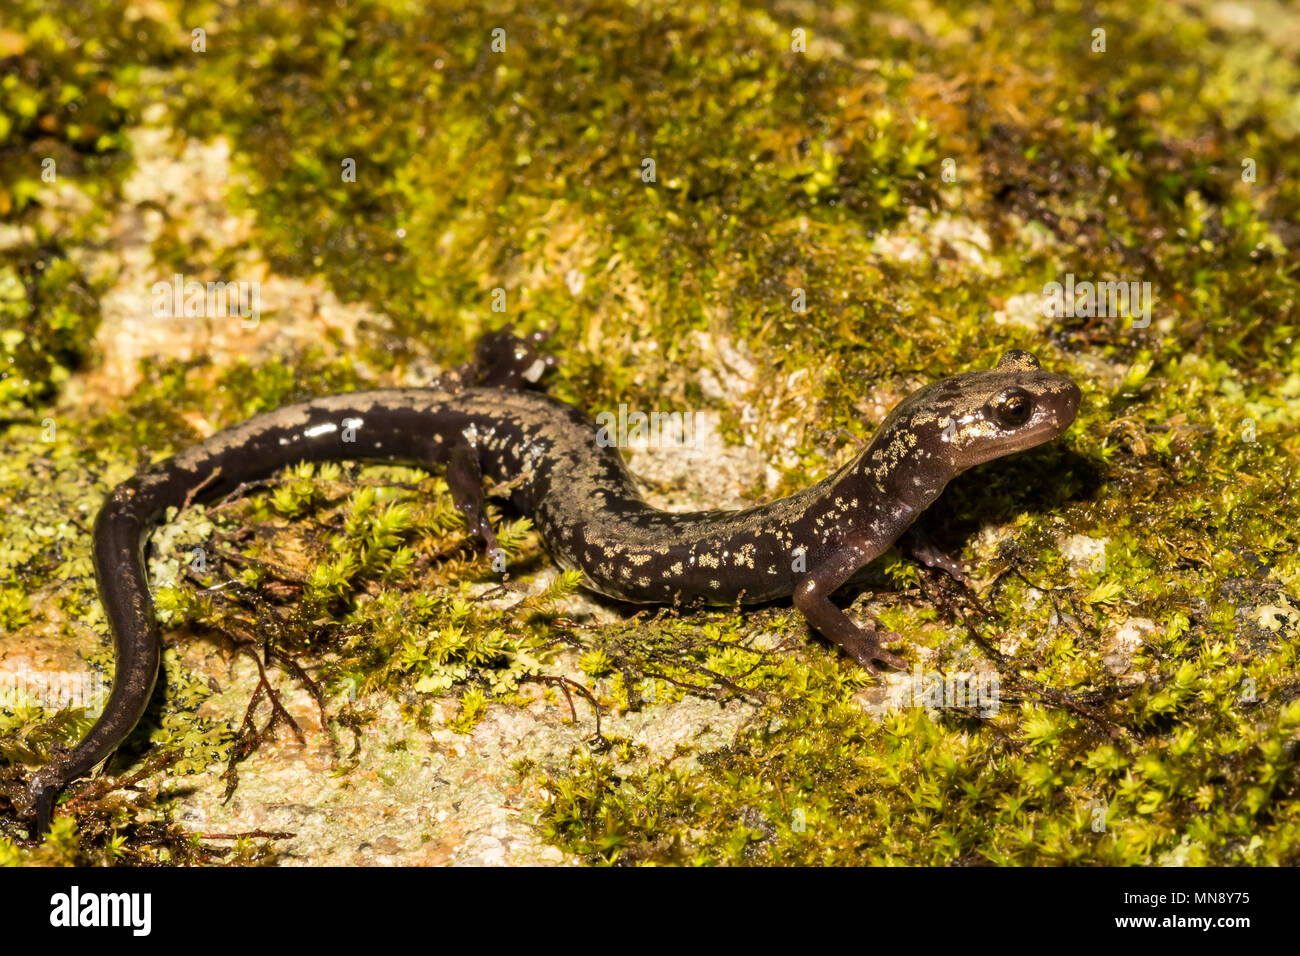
<point>589,511</point>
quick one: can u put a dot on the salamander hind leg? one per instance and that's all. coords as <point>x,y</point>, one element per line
<point>506,360</point>
<point>501,360</point>
<point>465,480</point>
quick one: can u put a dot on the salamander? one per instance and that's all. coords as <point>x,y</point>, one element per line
<point>489,420</point>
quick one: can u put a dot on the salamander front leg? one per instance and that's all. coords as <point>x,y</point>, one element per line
<point>465,480</point>
<point>812,597</point>
<point>921,547</point>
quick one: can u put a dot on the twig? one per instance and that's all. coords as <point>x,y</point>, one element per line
<point>564,684</point>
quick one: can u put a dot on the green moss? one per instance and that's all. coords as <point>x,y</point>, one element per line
<point>67,99</point>
<point>48,317</point>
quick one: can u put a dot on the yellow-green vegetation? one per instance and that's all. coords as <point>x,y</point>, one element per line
<point>65,101</point>
<point>1157,680</point>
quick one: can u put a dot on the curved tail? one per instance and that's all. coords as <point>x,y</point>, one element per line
<point>414,425</point>
<point>390,425</point>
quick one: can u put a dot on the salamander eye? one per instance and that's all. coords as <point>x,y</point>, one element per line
<point>1013,408</point>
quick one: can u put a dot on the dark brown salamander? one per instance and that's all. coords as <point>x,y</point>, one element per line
<point>584,502</point>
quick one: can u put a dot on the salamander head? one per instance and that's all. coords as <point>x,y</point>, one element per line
<point>951,425</point>
<point>1008,408</point>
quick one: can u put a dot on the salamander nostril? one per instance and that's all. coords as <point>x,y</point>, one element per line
<point>1072,399</point>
